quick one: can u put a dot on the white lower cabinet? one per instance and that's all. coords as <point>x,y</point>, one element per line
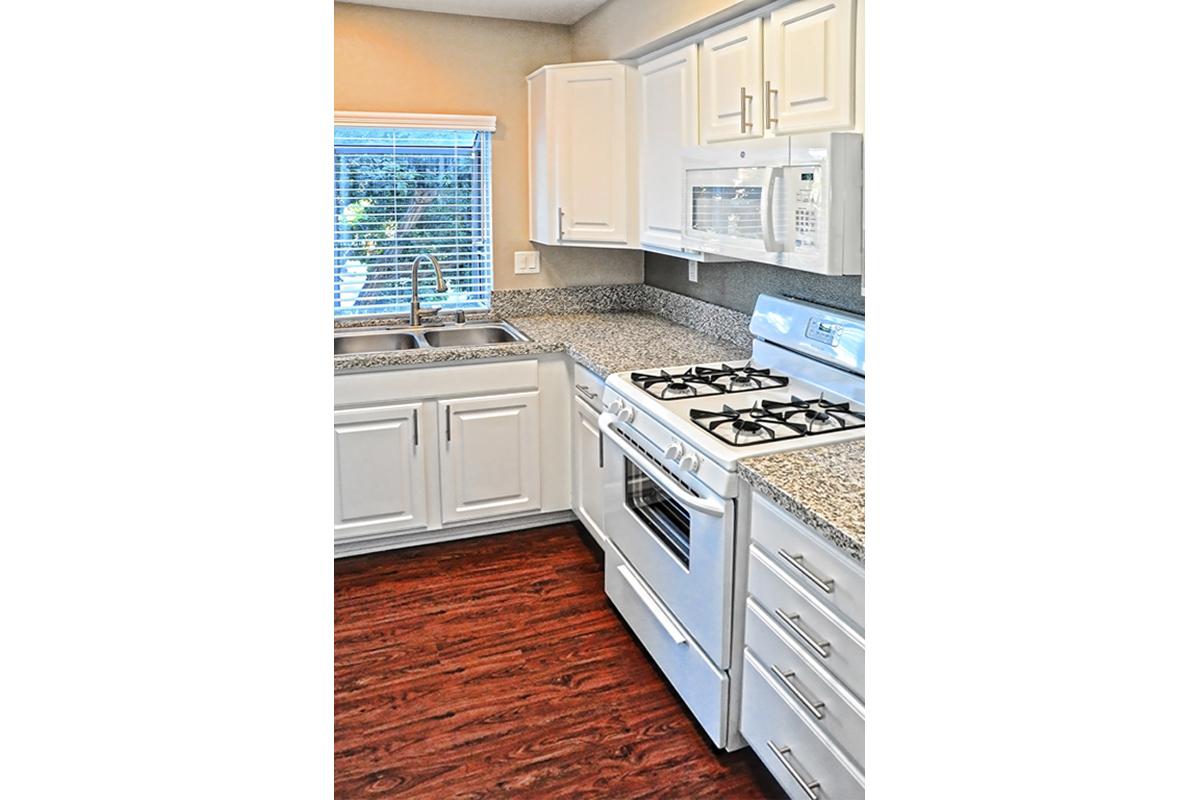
<point>805,762</point>
<point>587,493</point>
<point>436,453</point>
<point>490,458</point>
<point>379,470</point>
<point>803,678</point>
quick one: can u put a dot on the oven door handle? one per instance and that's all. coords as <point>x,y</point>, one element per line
<point>664,481</point>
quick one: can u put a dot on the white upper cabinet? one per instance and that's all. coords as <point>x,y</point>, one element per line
<point>490,456</point>
<point>809,66</point>
<point>379,470</point>
<point>731,83</point>
<point>669,123</point>
<point>582,157</point>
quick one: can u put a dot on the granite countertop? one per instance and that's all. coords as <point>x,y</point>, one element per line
<point>822,486</point>
<point>602,342</point>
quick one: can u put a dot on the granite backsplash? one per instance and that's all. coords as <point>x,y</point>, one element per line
<point>738,285</point>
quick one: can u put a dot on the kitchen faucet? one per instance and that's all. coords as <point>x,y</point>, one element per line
<point>415,312</point>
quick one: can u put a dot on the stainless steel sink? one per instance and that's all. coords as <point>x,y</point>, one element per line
<point>470,336</point>
<point>375,342</point>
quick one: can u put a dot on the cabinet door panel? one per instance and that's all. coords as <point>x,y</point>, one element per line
<point>809,52</point>
<point>731,61</point>
<point>588,489</point>
<point>490,457</point>
<point>590,116</point>
<point>379,473</point>
<point>670,122</point>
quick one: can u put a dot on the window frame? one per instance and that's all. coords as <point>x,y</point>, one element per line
<point>388,119</point>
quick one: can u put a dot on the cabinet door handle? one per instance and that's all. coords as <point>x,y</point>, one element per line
<point>416,431</point>
<point>560,220</point>
<point>447,423</point>
<point>742,115</point>
<point>809,787</point>
<point>586,392</point>
<point>767,99</point>
<point>816,709</point>
<point>790,620</point>
<point>797,563</point>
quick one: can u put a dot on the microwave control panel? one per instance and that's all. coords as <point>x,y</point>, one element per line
<point>808,195</point>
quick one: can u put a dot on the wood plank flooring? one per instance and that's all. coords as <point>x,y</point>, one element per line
<point>496,667</point>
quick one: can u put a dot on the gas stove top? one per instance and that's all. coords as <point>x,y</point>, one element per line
<point>705,381</point>
<point>725,425</point>
<point>803,387</point>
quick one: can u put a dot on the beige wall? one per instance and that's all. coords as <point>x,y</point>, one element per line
<point>391,60</point>
<point>626,28</point>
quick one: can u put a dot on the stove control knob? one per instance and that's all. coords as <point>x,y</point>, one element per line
<point>615,407</point>
<point>625,414</point>
<point>674,451</point>
<point>689,463</point>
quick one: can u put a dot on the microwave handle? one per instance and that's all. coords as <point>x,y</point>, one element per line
<point>765,208</point>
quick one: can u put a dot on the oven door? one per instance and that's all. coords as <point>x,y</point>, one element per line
<point>676,533</point>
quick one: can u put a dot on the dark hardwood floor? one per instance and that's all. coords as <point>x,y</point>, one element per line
<point>496,666</point>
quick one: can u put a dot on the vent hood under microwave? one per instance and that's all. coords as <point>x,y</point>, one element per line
<point>794,201</point>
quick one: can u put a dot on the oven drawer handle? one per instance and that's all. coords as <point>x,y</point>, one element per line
<point>822,648</point>
<point>797,563</point>
<point>667,625</point>
<point>816,709</point>
<point>809,787</point>
<point>664,481</point>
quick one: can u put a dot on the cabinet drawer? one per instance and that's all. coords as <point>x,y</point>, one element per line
<point>588,386</point>
<point>703,687</point>
<point>834,645</point>
<point>797,754</point>
<point>829,707</point>
<point>831,577</point>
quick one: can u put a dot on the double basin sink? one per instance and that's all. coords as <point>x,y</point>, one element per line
<point>471,334</point>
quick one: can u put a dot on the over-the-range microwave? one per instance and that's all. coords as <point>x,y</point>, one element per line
<point>795,201</point>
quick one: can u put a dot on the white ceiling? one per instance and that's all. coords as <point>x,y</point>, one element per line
<point>564,12</point>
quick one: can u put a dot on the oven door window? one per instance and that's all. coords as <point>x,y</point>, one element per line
<point>658,511</point>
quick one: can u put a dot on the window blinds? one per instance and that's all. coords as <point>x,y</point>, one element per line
<point>401,192</point>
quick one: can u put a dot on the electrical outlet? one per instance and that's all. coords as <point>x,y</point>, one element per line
<point>694,271</point>
<point>526,262</point>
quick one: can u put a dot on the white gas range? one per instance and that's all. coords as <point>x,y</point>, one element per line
<point>676,557</point>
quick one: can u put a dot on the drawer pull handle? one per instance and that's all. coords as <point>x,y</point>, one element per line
<point>586,392</point>
<point>816,709</point>
<point>652,605</point>
<point>797,563</point>
<point>792,623</point>
<point>810,788</point>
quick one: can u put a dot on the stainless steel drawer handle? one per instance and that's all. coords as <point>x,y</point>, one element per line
<point>809,787</point>
<point>793,625</point>
<point>586,392</point>
<point>797,563</point>
<point>816,709</point>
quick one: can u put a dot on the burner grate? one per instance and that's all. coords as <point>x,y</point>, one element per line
<point>773,421</point>
<point>705,381</point>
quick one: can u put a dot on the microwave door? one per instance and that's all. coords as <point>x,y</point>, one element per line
<point>725,206</point>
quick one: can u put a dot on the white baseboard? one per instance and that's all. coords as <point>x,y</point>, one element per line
<point>395,541</point>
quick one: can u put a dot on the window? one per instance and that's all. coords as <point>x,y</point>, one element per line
<point>406,185</point>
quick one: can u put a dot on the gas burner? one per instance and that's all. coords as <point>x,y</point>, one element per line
<point>773,421</point>
<point>741,379</point>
